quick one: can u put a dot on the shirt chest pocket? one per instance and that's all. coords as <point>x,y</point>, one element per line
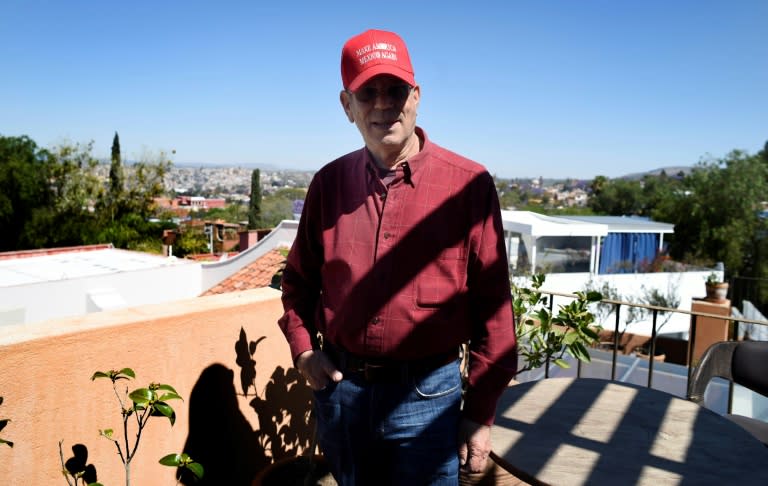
<point>442,279</point>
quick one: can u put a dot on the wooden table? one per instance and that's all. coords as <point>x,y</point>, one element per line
<point>566,431</point>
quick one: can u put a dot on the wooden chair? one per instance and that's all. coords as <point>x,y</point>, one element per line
<point>742,362</point>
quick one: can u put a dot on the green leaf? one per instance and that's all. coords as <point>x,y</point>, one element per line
<point>99,374</point>
<point>167,388</point>
<point>128,372</point>
<point>172,460</point>
<point>590,333</point>
<point>142,396</point>
<point>164,408</point>
<point>562,363</point>
<point>570,338</point>
<point>196,468</point>
<point>579,352</point>
<point>107,433</point>
<point>95,484</point>
<point>169,396</point>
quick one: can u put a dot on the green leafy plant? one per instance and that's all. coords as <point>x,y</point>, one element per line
<point>713,279</point>
<point>544,336</point>
<point>183,461</point>
<point>3,423</point>
<point>137,408</point>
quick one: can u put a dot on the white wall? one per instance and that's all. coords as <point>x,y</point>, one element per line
<point>77,296</point>
<point>686,285</point>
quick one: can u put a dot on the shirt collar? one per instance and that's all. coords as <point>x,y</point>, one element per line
<point>414,163</point>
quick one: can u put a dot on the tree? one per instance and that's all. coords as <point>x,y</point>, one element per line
<point>52,198</point>
<point>116,168</point>
<point>129,225</point>
<point>279,206</point>
<point>657,192</point>
<point>191,241</point>
<point>75,191</point>
<point>254,207</point>
<point>232,213</point>
<point>617,197</point>
<point>717,214</point>
<point>24,192</point>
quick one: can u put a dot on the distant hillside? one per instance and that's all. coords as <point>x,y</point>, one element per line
<point>671,171</point>
<point>269,167</point>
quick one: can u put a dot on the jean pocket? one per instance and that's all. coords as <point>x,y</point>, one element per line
<point>324,394</point>
<point>441,382</point>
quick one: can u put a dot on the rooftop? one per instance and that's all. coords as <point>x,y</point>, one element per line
<point>255,275</point>
<point>31,267</point>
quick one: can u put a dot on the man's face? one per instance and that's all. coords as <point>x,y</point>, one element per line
<point>384,110</point>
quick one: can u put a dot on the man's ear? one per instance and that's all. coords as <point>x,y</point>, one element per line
<point>417,95</point>
<point>345,101</point>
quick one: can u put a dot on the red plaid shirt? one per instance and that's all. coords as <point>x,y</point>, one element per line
<point>407,270</point>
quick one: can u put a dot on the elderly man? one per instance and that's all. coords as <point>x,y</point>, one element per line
<point>399,259</point>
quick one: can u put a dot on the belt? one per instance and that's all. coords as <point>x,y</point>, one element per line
<point>385,370</point>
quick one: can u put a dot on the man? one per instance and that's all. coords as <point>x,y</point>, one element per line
<point>399,258</point>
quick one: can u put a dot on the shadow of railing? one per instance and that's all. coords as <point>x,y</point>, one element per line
<point>592,431</point>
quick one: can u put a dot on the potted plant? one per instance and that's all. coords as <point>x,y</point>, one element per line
<point>545,336</point>
<point>717,290</point>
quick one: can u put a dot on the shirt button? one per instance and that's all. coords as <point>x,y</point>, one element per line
<point>387,235</point>
<point>375,320</point>
<point>383,196</point>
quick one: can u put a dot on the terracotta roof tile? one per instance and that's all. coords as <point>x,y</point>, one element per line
<point>256,275</point>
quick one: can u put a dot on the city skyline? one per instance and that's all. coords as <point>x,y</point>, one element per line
<point>553,89</point>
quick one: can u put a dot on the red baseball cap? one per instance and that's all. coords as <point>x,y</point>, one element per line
<point>372,53</point>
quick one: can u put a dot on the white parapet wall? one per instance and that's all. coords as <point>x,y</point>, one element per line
<point>633,288</point>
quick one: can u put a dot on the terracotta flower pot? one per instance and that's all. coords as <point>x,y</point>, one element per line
<point>717,292</point>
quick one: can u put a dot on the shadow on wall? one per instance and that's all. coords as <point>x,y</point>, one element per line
<point>222,439</point>
<point>78,464</point>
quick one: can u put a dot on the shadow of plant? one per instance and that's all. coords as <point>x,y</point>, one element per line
<point>283,407</point>
<point>222,439</point>
<point>245,360</point>
<point>284,414</point>
<point>78,466</point>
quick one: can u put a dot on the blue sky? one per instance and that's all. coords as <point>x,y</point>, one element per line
<point>528,88</point>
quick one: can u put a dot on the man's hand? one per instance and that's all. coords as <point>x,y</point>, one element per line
<point>474,445</point>
<point>315,366</point>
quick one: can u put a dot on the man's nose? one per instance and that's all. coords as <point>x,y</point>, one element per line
<point>383,99</point>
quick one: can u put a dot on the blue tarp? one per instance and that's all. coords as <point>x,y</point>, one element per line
<point>627,252</point>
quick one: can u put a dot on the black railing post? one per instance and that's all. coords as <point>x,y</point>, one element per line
<point>652,354</point>
<point>691,344</point>
<point>615,342</point>
<point>551,306</point>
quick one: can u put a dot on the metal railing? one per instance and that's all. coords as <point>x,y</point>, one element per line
<point>655,311</point>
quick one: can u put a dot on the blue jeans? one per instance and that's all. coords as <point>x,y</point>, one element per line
<point>392,433</point>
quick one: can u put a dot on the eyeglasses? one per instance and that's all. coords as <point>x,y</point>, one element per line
<point>398,93</point>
